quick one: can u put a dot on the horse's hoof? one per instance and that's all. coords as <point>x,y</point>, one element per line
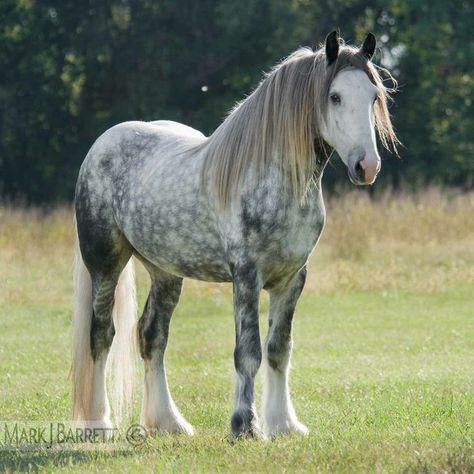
<point>245,425</point>
<point>287,428</point>
<point>299,428</point>
<point>96,430</point>
<point>171,426</point>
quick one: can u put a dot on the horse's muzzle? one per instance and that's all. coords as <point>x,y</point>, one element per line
<point>363,171</point>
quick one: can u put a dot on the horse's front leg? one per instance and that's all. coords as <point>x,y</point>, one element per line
<point>248,351</point>
<point>278,412</point>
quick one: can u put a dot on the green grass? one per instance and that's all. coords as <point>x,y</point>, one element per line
<point>382,365</point>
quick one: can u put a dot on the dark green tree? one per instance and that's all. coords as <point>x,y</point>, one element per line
<point>69,70</point>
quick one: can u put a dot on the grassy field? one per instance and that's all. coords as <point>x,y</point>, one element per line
<point>383,360</point>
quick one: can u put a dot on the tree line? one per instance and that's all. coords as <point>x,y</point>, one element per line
<point>71,69</point>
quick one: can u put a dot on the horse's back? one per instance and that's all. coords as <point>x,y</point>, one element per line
<point>178,128</point>
<point>127,160</point>
<point>134,146</point>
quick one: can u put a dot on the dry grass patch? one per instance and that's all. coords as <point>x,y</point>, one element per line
<point>414,242</point>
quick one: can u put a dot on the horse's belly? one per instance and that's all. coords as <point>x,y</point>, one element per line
<point>182,252</point>
<point>195,267</point>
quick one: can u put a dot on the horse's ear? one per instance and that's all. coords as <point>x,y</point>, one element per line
<point>368,48</point>
<point>332,47</point>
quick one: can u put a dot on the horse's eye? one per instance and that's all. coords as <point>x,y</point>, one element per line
<point>335,98</point>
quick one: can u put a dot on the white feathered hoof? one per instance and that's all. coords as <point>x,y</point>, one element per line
<point>96,431</point>
<point>284,427</point>
<point>169,424</point>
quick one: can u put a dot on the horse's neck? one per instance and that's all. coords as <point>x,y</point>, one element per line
<point>276,187</point>
<point>280,181</point>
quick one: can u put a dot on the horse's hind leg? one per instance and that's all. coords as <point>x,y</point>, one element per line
<point>278,412</point>
<point>102,334</point>
<point>105,253</point>
<point>159,413</point>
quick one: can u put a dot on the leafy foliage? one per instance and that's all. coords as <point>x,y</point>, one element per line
<point>69,70</point>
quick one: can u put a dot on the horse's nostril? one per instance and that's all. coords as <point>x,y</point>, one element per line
<point>359,169</point>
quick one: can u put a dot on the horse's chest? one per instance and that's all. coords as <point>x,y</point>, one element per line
<point>301,238</point>
<point>282,240</point>
<point>297,240</point>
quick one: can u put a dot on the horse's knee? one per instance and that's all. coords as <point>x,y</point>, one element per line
<point>102,324</point>
<point>248,355</point>
<point>277,352</point>
<point>152,335</point>
<point>153,326</point>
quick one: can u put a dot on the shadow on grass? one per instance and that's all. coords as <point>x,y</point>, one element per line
<point>33,461</point>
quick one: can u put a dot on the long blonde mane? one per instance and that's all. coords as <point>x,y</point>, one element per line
<point>279,122</point>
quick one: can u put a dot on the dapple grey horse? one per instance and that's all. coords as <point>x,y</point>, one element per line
<point>243,206</point>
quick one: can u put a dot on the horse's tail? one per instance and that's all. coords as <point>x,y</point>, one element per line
<point>123,353</point>
<point>82,363</point>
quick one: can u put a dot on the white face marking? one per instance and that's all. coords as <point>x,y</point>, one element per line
<point>349,125</point>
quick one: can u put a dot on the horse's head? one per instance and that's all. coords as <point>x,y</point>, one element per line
<point>355,108</point>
